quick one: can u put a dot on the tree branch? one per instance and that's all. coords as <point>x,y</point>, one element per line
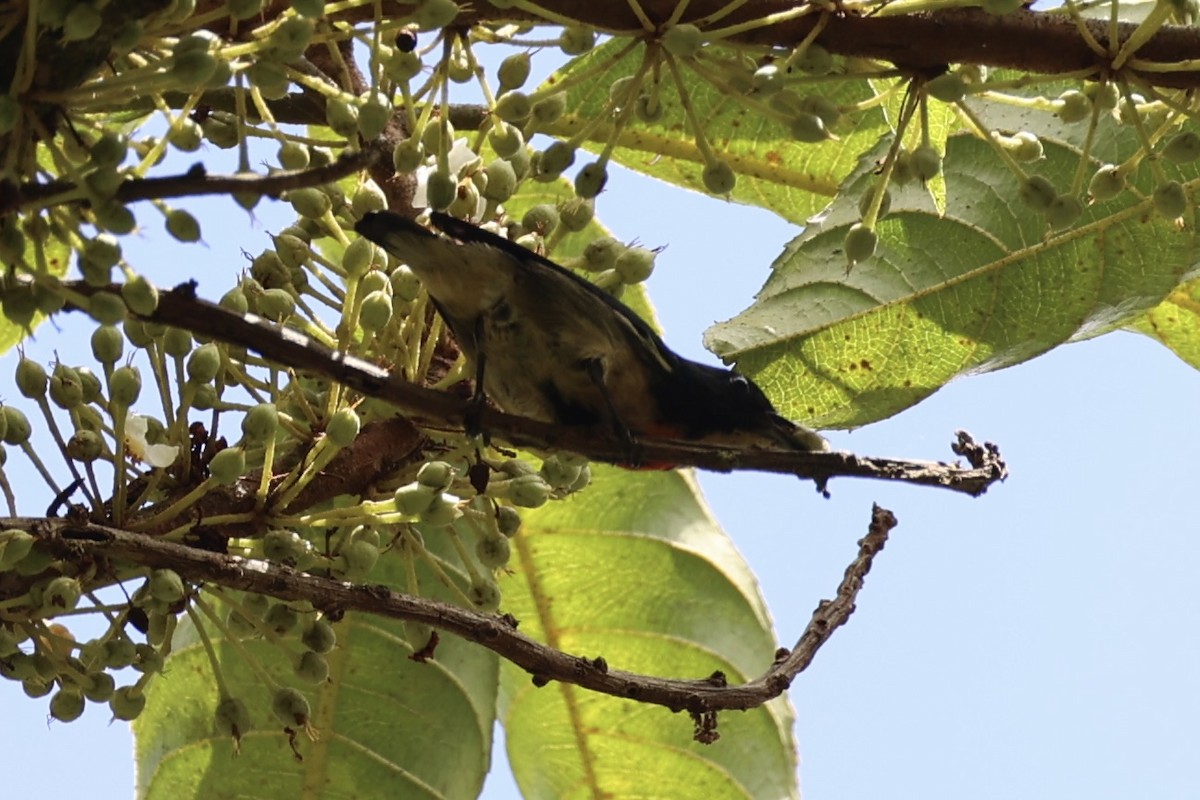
<point>440,410</point>
<point>196,181</point>
<point>83,542</point>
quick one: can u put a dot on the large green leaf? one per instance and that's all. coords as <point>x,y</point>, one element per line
<point>983,287</point>
<point>1176,322</point>
<point>635,569</point>
<point>387,726</point>
<point>792,178</point>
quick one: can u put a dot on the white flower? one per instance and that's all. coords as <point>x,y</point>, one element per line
<point>156,455</point>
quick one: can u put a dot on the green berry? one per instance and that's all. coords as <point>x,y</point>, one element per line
<point>506,139</point>
<point>342,116</point>
<point>319,636</point>
<point>281,619</point>
<point>127,703</point>
<point>310,203</point>
<point>67,704</point>
<point>1073,106</point>
<point>926,162</point>
<point>1171,200</point>
<point>124,386</point>
<point>17,429</point>
<point>484,594</point>
<point>15,544</point>
<point>556,158</point>
<point>290,707</point>
<point>203,363</point>
<point>718,177</point>
<point>165,586</point>
<point>182,225</point>
<point>277,304</point>
<point>635,264</point>
<point>405,284</point>
<point>683,40</point>
<point>436,476</point>
<point>413,498</point>
<point>860,243</point>
<point>312,668</point>
<point>808,127</point>
<point>1063,212</point>
<point>100,687</point>
<point>359,559</point>
<point>285,546</point>
<point>343,427</point>
<point>948,87</point>
<point>767,80</point>
<point>107,344</point>
<point>119,653</point>
<point>232,718</point>
<point>66,388</point>
<point>149,659</point>
<point>1183,148</point>
<point>514,71</point>
<point>408,155</point>
<point>549,109</point>
<point>1107,183</point>
<point>508,520</point>
<point>1105,95</point>
<point>541,219</point>
<point>577,213</point>
<point>513,106</point>
<point>60,595</point>
<point>590,180</point>
<point>1024,147</point>
<point>1038,193</point>
<point>293,155</point>
<point>440,511</point>
<point>368,197</point>
<point>493,552</point>
<point>528,491</point>
<point>373,115</point>
<point>501,180</point>
<point>441,190</point>
<point>31,378</point>
<point>140,295</point>
<point>107,308</point>
<point>227,466</point>
<point>401,66</point>
<point>575,41</point>
<point>375,312</point>
<point>433,14</point>
<point>359,256</point>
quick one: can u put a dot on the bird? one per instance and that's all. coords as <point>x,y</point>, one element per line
<point>548,345</point>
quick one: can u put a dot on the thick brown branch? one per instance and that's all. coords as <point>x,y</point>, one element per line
<point>1035,42</point>
<point>180,307</point>
<point>196,181</point>
<point>83,542</point>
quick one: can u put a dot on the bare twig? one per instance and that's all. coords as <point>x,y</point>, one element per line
<point>95,544</point>
<point>197,182</point>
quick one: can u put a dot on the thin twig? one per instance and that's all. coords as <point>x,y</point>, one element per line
<point>89,543</point>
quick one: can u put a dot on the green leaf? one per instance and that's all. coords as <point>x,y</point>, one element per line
<point>386,726</point>
<point>635,569</point>
<point>982,288</point>
<point>792,178</point>
<point>1176,322</point>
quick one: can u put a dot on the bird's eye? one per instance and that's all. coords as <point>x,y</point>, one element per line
<point>739,382</point>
